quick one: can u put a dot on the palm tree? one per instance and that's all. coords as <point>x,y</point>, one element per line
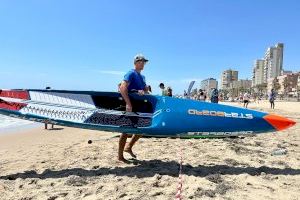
<point>285,86</point>
<point>262,87</point>
<point>298,91</point>
<point>275,84</point>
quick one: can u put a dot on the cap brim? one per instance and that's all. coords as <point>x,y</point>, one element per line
<point>145,60</point>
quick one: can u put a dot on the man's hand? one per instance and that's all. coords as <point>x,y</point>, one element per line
<point>128,108</point>
<point>141,92</point>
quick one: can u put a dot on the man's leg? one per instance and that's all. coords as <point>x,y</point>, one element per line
<point>133,140</point>
<point>122,142</point>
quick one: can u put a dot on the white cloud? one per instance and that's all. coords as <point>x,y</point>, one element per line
<point>112,72</point>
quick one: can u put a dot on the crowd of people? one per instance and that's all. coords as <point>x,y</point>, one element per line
<point>202,95</point>
<point>214,97</point>
<point>245,98</point>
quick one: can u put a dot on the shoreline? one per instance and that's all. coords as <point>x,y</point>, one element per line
<point>19,128</point>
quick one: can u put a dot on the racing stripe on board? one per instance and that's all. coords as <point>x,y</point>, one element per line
<point>11,106</point>
<point>18,94</point>
<point>80,100</point>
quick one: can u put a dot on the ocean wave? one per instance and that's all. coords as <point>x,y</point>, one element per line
<point>9,122</point>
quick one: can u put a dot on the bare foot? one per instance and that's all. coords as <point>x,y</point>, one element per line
<point>130,152</point>
<point>123,160</point>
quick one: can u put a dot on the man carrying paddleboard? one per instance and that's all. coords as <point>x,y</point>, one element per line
<point>133,81</point>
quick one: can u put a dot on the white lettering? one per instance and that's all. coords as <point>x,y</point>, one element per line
<point>220,133</point>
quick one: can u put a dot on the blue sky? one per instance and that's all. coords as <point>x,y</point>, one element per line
<point>89,45</point>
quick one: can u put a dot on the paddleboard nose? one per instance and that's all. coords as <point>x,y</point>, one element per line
<point>278,122</point>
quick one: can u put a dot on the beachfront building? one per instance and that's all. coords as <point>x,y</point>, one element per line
<point>258,72</point>
<point>286,84</point>
<point>284,72</point>
<point>208,84</point>
<point>228,76</point>
<point>270,84</point>
<point>239,86</point>
<point>298,88</point>
<point>273,62</point>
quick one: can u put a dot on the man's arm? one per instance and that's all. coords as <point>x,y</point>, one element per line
<point>124,93</point>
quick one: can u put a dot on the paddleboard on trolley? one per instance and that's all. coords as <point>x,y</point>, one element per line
<point>156,116</point>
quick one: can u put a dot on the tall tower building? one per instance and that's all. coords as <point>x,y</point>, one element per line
<point>273,61</point>
<point>258,72</point>
<point>208,84</point>
<point>228,76</point>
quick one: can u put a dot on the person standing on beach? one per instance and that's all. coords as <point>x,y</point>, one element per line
<point>214,98</point>
<point>272,96</point>
<point>201,96</point>
<point>163,89</point>
<point>133,81</point>
<point>246,99</point>
<point>169,92</point>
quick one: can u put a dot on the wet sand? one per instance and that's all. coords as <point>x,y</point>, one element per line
<point>60,164</point>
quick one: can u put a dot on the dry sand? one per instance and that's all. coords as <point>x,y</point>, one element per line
<point>60,164</point>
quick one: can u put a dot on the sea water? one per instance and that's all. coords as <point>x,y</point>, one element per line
<point>8,124</point>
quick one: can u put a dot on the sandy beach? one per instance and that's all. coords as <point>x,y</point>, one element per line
<point>60,164</point>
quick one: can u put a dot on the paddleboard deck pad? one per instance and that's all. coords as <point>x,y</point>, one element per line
<point>152,115</point>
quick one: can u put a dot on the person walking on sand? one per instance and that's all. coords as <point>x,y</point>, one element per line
<point>272,96</point>
<point>133,81</point>
<point>246,99</point>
